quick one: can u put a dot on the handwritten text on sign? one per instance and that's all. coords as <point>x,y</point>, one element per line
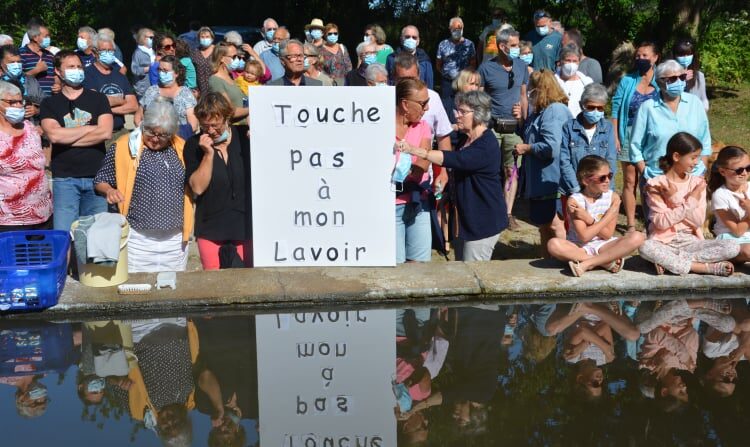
<point>321,164</point>
<point>324,378</point>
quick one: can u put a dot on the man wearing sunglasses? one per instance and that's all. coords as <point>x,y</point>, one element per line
<point>409,45</point>
<point>505,79</point>
<point>658,119</point>
<point>546,42</point>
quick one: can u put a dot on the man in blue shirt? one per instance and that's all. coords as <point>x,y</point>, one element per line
<point>410,44</point>
<point>546,42</point>
<point>271,57</point>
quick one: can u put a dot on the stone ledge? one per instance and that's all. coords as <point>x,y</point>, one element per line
<point>411,284</point>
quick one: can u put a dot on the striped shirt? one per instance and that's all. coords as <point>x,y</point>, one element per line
<point>29,60</point>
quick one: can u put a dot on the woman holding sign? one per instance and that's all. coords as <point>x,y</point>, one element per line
<point>410,176</point>
<point>479,189</point>
<point>217,168</point>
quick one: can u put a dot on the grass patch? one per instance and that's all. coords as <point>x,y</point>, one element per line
<point>729,113</point>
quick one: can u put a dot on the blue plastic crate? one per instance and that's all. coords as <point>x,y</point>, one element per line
<point>33,266</point>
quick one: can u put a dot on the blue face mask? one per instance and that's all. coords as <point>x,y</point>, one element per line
<point>402,168</point>
<point>73,76</point>
<point>46,42</point>
<point>676,88</point>
<point>275,48</point>
<point>332,38</point>
<point>410,44</point>
<point>166,77</point>
<point>15,115</point>
<point>528,58</point>
<point>242,65</point>
<point>513,53</point>
<point>235,64</point>
<point>593,116</point>
<point>306,63</point>
<point>316,34</point>
<point>107,57</point>
<point>14,69</point>
<point>307,35</point>
<point>542,30</point>
<point>96,386</point>
<point>457,34</point>
<point>269,34</point>
<point>150,42</point>
<point>685,61</point>
<point>223,137</point>
<point>82,43</point>
<point>206,42</point>
<point>370,59</point>
<point>38,392</point>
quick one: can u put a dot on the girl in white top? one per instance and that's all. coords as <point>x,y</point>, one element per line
<point>592,216</point>
<point>730,199</point>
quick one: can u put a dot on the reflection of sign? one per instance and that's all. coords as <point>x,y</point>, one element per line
<point>321,164</point>
<point>324,379</point>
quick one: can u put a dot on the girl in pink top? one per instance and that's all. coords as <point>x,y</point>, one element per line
<point>25,196</point>
<point>677,201</point>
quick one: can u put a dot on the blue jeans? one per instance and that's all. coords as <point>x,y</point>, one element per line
<point>413,233</point>
<point>72,198</point>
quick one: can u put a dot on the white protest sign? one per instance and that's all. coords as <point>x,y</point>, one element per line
<point>321,161</point>
<point>324,379</point>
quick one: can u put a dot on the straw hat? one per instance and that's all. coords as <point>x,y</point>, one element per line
<point>315,24</point>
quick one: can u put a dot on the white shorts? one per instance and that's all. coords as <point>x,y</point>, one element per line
<point>592,248</point>
<point>156,251</point>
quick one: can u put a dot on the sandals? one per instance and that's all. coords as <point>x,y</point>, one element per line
<point>724,268</point>
<point>575,267</point>
<point>615,266</point>
<point>659,269</point>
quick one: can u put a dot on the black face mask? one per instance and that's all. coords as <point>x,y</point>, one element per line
<point>642,65</point>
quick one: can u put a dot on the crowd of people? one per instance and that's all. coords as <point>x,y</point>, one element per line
<point>514,118</point>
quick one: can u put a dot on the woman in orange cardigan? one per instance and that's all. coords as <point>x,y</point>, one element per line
<point>144,175</point>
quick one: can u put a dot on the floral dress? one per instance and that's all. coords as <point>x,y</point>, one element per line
<point>336,65</point>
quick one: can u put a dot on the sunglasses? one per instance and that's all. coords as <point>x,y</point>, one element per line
<point>423,104</point>
<point>332,34</point>
<point>602,178</point>
<point>740,171</point>
<point>167,47</point>
<point>511,79</point>
<point>672,79</point>
<point>592,108</point>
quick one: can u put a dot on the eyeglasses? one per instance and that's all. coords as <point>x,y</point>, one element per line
<point>311,55</point>
<point>672,79</point>
<point>160,136</point>
<point>291,57</point>
<point>16,102</point>
<point>423,104</point>
<point>461,112</point>
<point>740,171</point>
<point>602,178</point>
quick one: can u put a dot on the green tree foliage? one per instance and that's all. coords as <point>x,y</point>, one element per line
<point>725,49</point>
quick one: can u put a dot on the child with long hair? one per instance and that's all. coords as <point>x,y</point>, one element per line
<point>730,198</point>
<point>678,208</point>
<point>592,216</point>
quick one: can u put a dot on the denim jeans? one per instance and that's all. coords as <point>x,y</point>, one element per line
<point>413,233</point>
<point>72,198</point>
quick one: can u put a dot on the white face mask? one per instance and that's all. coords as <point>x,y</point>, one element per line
<point>569,69</point>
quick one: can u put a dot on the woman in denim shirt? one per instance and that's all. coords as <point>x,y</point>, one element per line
<point>590,133</point>
<point>633,90</point>
<point>542,136</point>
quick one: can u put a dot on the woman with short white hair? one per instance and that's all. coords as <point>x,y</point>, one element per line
<point>144,175</point>
<point>25,196</point>
<point>376,75</point>
<point>658,119</point>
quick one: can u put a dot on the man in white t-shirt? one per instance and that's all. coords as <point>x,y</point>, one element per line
<point>406,66</point>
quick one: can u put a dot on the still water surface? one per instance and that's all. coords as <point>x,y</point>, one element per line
<point>620,373</point>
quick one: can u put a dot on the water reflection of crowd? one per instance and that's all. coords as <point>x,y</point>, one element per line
<point>597,373</point>
<point>156,371</point>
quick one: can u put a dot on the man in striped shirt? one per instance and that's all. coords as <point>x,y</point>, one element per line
<point>37,61</point>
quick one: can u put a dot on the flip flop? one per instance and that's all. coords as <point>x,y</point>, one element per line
<point>575,267</point>
<point>615,266</point>
<point>659,269</point>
